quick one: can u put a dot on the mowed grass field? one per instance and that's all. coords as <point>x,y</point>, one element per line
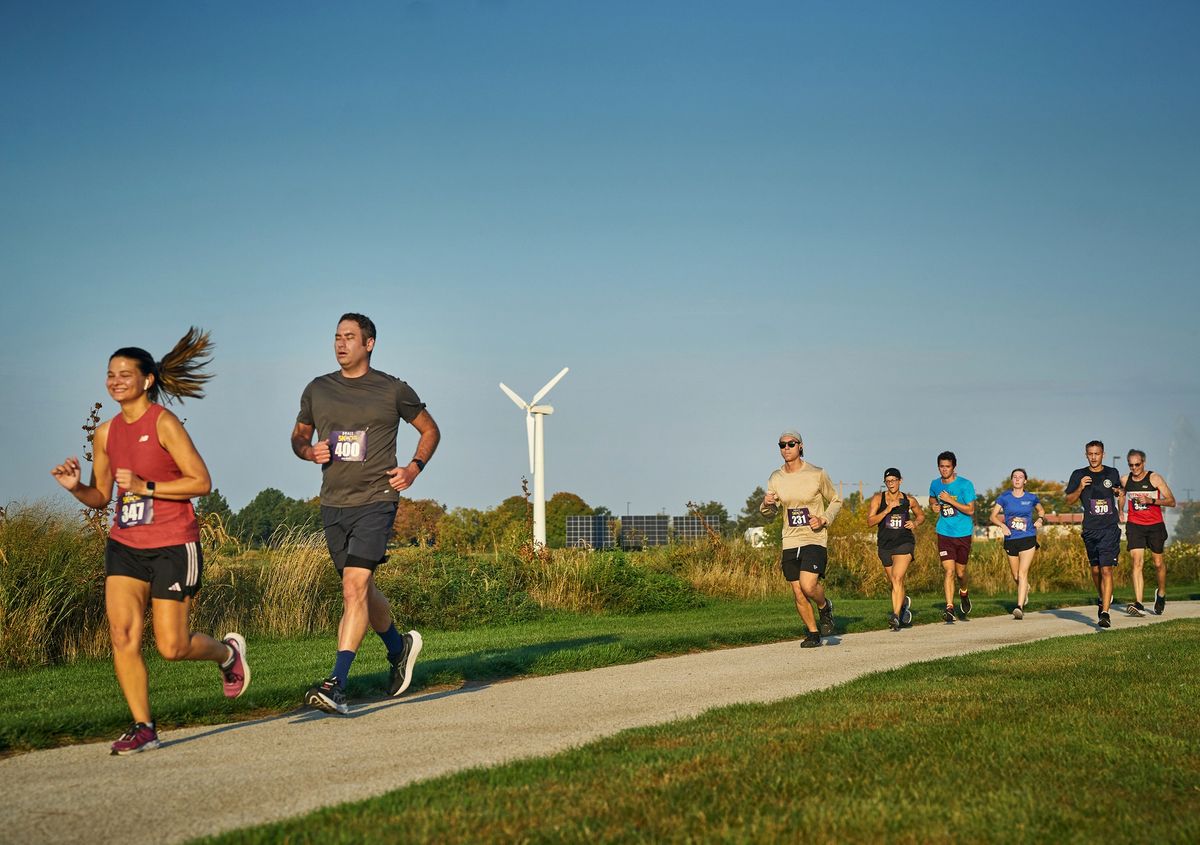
<point>1076,739</point>
<point>46,706</point>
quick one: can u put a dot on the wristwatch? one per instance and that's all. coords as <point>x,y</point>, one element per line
<point>150,489</point>
<point>420,464</point>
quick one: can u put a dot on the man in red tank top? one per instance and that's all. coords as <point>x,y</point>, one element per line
<point>1147,494</point>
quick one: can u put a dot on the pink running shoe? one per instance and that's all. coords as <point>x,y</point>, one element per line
<point>236,677</point>
<point>141,737</point>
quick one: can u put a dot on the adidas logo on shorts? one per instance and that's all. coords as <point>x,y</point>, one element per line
<point>175,588</point>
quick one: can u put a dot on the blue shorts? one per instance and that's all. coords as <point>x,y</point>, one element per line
<point>1103,545</point>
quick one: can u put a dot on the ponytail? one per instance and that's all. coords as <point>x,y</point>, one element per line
<point>180,374</point>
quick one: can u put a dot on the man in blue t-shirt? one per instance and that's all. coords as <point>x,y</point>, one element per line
<point>952,498</point>
<point>1097,488</point>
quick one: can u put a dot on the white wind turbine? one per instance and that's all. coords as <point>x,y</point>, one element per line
<point>537,464</point>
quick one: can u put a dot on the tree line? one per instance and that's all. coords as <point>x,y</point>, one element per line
<point>426,522</point>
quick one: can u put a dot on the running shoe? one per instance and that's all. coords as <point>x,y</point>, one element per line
<point>893,622</point>
<point>1105,622</point>
<point>811,640</point>
<point>906,612</point>
<point>402,667</point>
<point>826,612</point>
<point>236,676</point>
<point>964,603</point>
<point>140,737</point>
<point>1160,602</point>
<point>328,696</point>
<point>1018,612</point>
<point>1135,608</point>
<point>948,613</point>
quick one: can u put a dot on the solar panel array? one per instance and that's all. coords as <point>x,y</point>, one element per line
<point>638,532</point>
<point>688,529</point>
<point>590,532</point>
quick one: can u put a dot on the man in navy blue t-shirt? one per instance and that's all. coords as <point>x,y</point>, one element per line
<point>1097,488</point>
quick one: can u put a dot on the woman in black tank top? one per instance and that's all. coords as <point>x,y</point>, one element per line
<point>896,514</point>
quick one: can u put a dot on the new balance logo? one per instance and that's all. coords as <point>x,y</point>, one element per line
<point>143,438</point>
<point>175,588</point>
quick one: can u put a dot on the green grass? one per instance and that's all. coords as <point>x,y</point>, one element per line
<point>54,705</point>
<point>1076,739</point>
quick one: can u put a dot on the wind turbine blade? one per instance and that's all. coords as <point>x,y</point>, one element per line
<point>520,402</point>
<point>529,431</point>
<point>549,385</point>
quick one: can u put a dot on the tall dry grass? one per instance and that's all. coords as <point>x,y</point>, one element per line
<point>52,580</point>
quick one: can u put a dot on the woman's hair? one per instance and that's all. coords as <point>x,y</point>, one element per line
<point>180,374</point>
<point>1020,470</point>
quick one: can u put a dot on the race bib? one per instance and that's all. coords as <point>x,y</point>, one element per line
<point>948,509</point>
<point>135,510</point>
<point>1019,523</point>
<point>1139,505</point>
<point>348,445</point>
<point>895,521</point>
<point>797,517</point>
<point>1100,507</point>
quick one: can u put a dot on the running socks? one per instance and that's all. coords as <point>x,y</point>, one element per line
<point>393,641</point>
<point>228,662</point>
<point>341,667</point>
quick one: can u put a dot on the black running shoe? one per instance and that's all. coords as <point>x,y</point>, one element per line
<point>402,666</point>
<point>948,613</point>
<point>811,640</point>
<point>893,622</point>
<point>964,603</point>
<point>826,624</point>
<point>906,612</point>
<point>1134,608</point>
<point>1105,622</point>
<point>328,696</point>
<point>1160,602</point>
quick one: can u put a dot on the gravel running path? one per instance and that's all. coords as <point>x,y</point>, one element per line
<point>210,779</point>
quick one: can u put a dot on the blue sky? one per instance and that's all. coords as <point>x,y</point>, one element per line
<point>898,227</point>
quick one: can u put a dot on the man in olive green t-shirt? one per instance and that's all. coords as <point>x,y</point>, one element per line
<point>355,414</point>
<point>810,502</point>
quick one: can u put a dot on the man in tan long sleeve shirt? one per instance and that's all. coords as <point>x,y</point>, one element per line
<point>810,503</point>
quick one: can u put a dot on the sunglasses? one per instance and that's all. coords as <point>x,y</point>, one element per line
<point>1135,463</point>
<point>788,444</point>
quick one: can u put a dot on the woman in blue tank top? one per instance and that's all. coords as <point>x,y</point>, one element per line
<point>1019,514</point>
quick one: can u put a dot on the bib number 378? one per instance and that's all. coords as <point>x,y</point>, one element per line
<point>135,510</point>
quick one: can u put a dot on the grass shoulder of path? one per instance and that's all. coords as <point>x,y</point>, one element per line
<point>50,706</point>
<point>1075,739</point>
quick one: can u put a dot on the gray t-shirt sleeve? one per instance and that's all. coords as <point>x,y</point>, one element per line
<point>408,404</point>
<point>305,417</point>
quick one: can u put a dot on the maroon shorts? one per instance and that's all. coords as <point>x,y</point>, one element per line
<point>957,549</point>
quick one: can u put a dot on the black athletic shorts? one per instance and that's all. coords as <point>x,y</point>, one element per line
<point>804,559</point>
<point>957,549</point>
<point>1103,545</point>
<point>1012,548</point>
<point>886,552</point>
<point>173,572</point>
<point>358,536</point>
<point>1152,537</point>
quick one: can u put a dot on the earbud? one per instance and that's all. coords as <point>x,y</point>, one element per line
<point>146,386</point>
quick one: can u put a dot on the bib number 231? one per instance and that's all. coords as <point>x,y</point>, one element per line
<point>797,517</point>
<point>135,510</point>
<point>348,445</point>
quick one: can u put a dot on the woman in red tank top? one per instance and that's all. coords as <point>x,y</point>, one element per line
<point>153,555</point>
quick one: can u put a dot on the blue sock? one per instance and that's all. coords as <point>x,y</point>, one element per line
<point>392,639</point>
<point>341,667</point>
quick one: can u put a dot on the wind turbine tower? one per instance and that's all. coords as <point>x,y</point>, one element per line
<point>534,414</point>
